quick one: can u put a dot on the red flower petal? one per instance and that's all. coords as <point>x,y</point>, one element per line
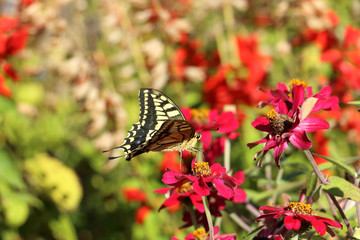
<point>223,190</point>
<point>311,124</point>
<point>292,223</point>
<point>201,188</point>
<point>300,139</point>
<point>4,89</point>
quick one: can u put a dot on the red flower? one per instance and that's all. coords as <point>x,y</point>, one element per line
<point>229,85</point>
<point>141,214</point>
<point>187,56</point>
<point>345,60</point>
<point>200,233</point>
<point>297,218</point>
<point>324,101</point>
<point>205,120</point>
<point>204,179</point>
<point>133,194</point>
<point>288,124</point>
<point>184,193</point>
<point>4,89</point>
<point>181,195</point>
<point>13,38</point>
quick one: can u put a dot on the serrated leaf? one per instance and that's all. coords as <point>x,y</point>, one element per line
<point>340,187</point>
<point>338,163</point>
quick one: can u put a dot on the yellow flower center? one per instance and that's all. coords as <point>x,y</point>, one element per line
<point>201,169</point>
<point>200,116</point>
<point>271,115</point>
<point>296,81</point>
<point>186,187</point>
<point>300,208</point>
<point>200,234</point>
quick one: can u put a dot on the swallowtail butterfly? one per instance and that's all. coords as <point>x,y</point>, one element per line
<point>162,127</point>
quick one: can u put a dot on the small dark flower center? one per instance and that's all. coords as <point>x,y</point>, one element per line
<point>186,187</point>
<point>200,234</point>
<point>202,169</point>
<point>300,208</point>
<point>280,123</point>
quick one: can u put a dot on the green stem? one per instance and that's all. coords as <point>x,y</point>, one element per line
<point>192,215</point>
<point>208,217</point>
<point>325,182</point>
<point>315,167</point>
<point>227,151</point>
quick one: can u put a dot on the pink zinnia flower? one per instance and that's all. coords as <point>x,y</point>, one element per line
<point>201,233</point>
<point>181,195</point>
<point>206,120</point>
<point>288,123</point>
<point>205,178</point>
<point>324,100</point>
<point>186,194</point>
<point>297,218</point>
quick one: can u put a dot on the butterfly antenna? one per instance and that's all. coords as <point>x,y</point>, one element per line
<point>111,149</point>
<point>207,126</point>
<point>206,144</point>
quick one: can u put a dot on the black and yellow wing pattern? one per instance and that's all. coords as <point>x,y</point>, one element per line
<point>161,127</point>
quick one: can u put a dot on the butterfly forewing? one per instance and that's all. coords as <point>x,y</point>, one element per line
<point>161,126</point>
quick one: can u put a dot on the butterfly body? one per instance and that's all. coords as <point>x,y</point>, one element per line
<point>162,127</point>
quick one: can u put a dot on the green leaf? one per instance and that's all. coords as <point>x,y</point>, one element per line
<point>339,164</point>
<point>14,206</point>
<point>9,172</point>
<point>62,228</point>
<point>253,233</point>
<point>342,188</point>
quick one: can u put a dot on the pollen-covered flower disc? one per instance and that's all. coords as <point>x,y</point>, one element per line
<point>162,127</point>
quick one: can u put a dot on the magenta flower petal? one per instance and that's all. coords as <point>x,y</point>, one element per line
<point>300,139</point>
<point>298,93</point>
<point>262,124</point>
<point>217,168</point>
<point>282,107</point>
<point>278,150</point>
<point>170,177</point>
<point>319,226</point>
<point>197,202</point>
<point>239,195</point>
<point>201,188</point>
<point>292,223</point>
<point>253,144</point>
<point>239,176</point>
<point>223,190</point>
<point>311,124</point>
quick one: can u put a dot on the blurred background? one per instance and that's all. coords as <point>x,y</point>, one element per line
<point>69,79</point>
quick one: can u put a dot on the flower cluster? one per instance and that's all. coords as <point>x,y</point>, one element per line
<point>295,218</point>
<point>289,121</point>
<point>13,38</point>
<point>201,234</point>
<point>211,181</point>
